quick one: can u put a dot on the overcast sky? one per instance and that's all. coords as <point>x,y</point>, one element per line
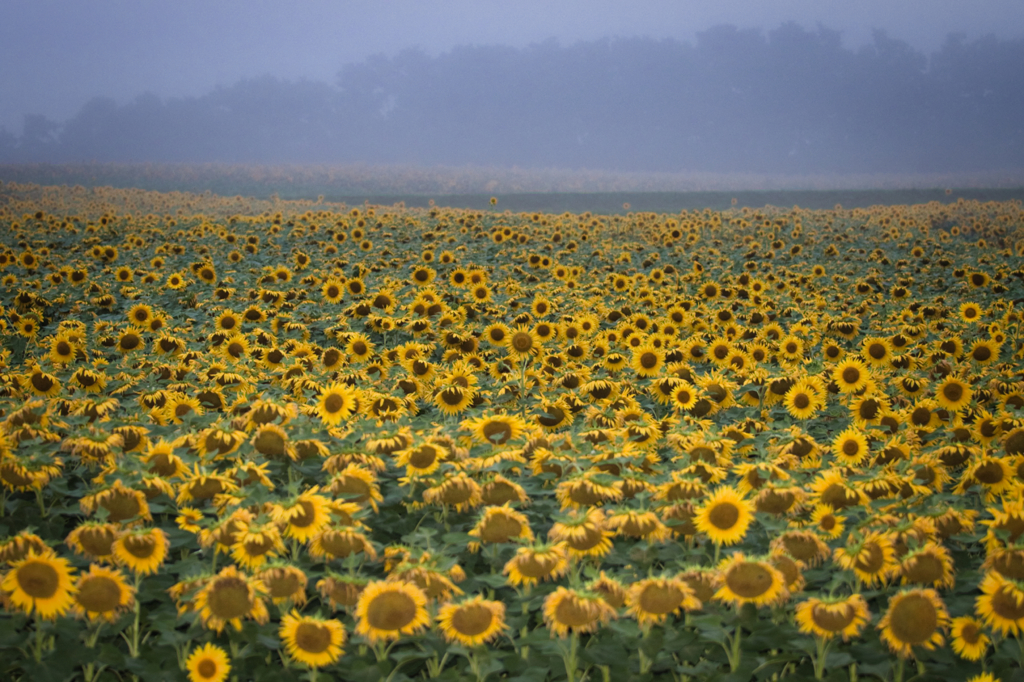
<point>57,54</point>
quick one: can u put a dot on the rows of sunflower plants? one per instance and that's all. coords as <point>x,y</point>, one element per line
<point>305,441</point>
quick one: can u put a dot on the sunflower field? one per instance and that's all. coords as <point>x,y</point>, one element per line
<point>285,440</point>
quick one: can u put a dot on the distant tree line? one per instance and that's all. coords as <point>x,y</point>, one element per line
<point>790,100</point>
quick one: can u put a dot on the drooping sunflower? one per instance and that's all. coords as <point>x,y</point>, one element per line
<point>750,581</point>
<point>388,609</point>
<point>724,516</point>
<point>285,584</point>
<point>500,524</point>
<point>532,564</point>
<point>583,533</point>
<point>143,551</point>
<point>312,641</point>
<point>102,593</point>
<point>914,618</point>
<point>827,618</point>
<point>472,622</point>
<point>652,600</point>
<point>40,583</point>
<point>570,610</point>
<point>208,663</point>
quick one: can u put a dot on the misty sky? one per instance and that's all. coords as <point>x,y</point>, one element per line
<point>57,54</point>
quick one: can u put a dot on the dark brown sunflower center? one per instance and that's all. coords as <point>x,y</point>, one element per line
<point>832,619</point>
<point>390,611</point>
<point>851,447</point>
<point>497,432</point>
<point>500,528</point>
<point>749,580</point>
<point>801,401</point>
<point>207,669</point>
<point>914,619</point>
<point>851,375</point>
<point>1007,604</point>
<point>660,599</point>
<point>229,598</point>
<point>472,620</point>
<point>140,547</point>
<point>38,579</point>
<point>334,403</point>
<point>522,342</point>
<point>313,638</point>
<point>953,392</point>
<point>99,594</point>
<point>724,515</point>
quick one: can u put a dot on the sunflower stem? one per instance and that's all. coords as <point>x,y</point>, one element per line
<point>39,637</point>
<point>898,677</point>
<point>39,501</point>
<point>821,658</point>
<point>569,657</point>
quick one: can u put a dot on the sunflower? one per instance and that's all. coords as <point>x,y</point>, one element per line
<point>522,343</point>
<point>453,400</point>
<point>340,542</point>
<point>850,447</point>
<point>500,524</point>
<point>208,663</point>
<point>313,641</point>
<point>802,400</point>
<point>63,350</point>
<point>984,352</point>
<point>969,639</point>
<point>285,584</point>
<point>532,564</point>
<point>336,403</point>
<point>1001,604</point>
<point>583,533</point>
<point>826,521</point>
<point>684,396</point>
<point>827,618</point>
<point>850,375</point>
<point>750,581</point>
<point>256,544</point>
<point>497,429</point>
<point>229,597</point>
<point>953,394</point>
<point>40,582</point>
<point>356,482</point>
<point>388,609</point>
<point>142,551</point>
<point>876,351</point>
<point>724,517</point>
<point>577,611</point>
<point>652,600</point>
<point>647,361</point>
<point>914,618</point>
<point>94,540</point>
<point>420,460</point>
<point>638,525</point>
<point>102,594</point>
<point>341,591</point>
<point>472,622</point>
<point>458,491</point>
<point>872,558</point>
<point>304,516</point>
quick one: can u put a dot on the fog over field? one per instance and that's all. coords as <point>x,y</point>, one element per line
<point>781,90</point>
